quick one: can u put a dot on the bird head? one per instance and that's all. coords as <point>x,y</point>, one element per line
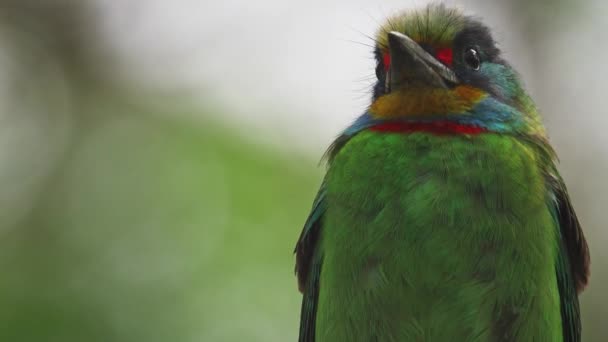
<point>437,63</point>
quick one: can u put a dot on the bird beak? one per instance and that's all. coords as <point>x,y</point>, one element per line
<point>412,65</point>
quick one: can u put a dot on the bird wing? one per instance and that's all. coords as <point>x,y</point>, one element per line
<point>572,265</point>
<point>308,266</point>
<point>308,259</point>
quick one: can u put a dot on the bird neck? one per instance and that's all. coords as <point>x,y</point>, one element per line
<point>437,127</point>
<point>424,102</point>
<point>461,110</point>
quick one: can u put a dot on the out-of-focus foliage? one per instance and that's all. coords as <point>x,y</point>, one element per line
<point>122,219</point>
<point>158,231</point>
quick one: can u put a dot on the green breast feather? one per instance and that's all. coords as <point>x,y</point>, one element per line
<point>430,238</point>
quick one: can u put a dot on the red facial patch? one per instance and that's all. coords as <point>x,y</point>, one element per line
<point>445,55</point>
<point>386,60</point>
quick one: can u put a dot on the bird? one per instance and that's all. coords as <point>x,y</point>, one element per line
<point>442,215</point>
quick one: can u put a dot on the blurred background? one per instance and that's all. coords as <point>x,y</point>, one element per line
<point>158,159</point>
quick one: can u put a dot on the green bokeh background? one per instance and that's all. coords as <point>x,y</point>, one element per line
<point>152,230</point>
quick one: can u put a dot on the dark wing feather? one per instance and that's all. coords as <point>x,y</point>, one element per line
<point>572,235</point>
<point>573,259</point>
<point>308,259</point>
<point>572,267</point>
<point>308,267</point>
<point>308,315</point>
<point>307,242</point>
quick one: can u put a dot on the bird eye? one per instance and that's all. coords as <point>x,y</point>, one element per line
<point>471,57</point>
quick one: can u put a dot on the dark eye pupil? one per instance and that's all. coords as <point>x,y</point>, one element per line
<point>471,57</point>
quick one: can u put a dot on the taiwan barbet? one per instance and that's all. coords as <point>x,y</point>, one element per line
<point>442,216</point>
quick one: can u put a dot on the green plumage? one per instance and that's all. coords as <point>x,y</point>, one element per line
<point>423,235</point>
<point>471,209</point>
